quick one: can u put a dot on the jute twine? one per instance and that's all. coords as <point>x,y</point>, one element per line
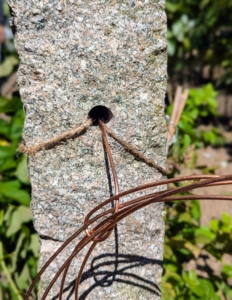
<point>57,140</point>
<point>81,130</point>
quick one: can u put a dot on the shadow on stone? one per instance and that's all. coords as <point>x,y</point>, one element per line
<point>123,273</point>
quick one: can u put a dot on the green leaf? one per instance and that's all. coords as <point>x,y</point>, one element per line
<point>22,279</point>
<point>7,215</point>
<point>1,216</point>
<point>4,128</point>
<point>184,217</point>
<point>177,242</point>
<point>187,141</point>
<point>7,165</point>
<point>178,30</point>
<point>168,292</point>
<point>11,190</point>
<point>7,152</point>
<point>204,235</point>
<point>171,276</point>
<point>20,216</point>
<point>186,127</point>
<point>207,289</point>
<point>170,6</point>
<point>210,137</point>
<point>9,106</point>
<point>15,254</point>
<point>171,47</point>
<point>195,210</point>
<point>190,278</point>
<point>21,196</point>
<point>226,219</point>
<point>214,225</point>
<point>34,245</point>
<point>193,249</point>
<point>227,271</point>
<point>9,185</point>
<point>201,287</point>
<point>16,128</point>
<point>8,65</point>
<point>167,251</point>
<point>172,268</point>
<point>204,3</point>
<point>229,295</point>
<point>22,172</point>
<point>194,113</point>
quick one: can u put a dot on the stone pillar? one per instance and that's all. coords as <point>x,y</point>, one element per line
<point>75,56</point>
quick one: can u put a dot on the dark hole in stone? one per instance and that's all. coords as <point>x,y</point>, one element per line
<point>100,112</point>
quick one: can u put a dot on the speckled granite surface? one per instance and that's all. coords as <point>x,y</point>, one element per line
<point>74,57</point>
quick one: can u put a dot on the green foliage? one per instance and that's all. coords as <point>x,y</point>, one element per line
<point>198,35</point>
<point>185,240</point>
<point>7,67</point>
<point>201,104</point>
<point>19,245</point>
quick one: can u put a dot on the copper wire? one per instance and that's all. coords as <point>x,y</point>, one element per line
<point>104,228</point>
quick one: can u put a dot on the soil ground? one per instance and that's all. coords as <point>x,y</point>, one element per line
<point>221,160</point>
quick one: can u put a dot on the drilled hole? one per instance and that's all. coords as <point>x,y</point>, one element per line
<point>100,112</point>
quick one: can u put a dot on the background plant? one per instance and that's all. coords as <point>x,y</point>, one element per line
<point>200,108</point>
<point>185,239</point>
<point>199,35</point>
<point>18,240</point>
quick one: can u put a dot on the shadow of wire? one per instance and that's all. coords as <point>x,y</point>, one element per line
<point>123,274</point>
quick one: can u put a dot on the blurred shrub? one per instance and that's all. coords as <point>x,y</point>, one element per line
<point>185,240</point>
<point>201,105</point>
<point>19,245</point>
<point>199,34</point>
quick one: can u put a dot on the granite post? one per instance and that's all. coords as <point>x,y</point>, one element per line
<point>76,55</point>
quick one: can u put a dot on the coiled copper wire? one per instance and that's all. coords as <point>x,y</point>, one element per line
<point>104,228</point>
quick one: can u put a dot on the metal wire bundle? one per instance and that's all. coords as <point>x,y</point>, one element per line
<point>104,228</point>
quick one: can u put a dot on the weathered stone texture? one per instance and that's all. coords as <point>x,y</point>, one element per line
<point>73,57</point>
